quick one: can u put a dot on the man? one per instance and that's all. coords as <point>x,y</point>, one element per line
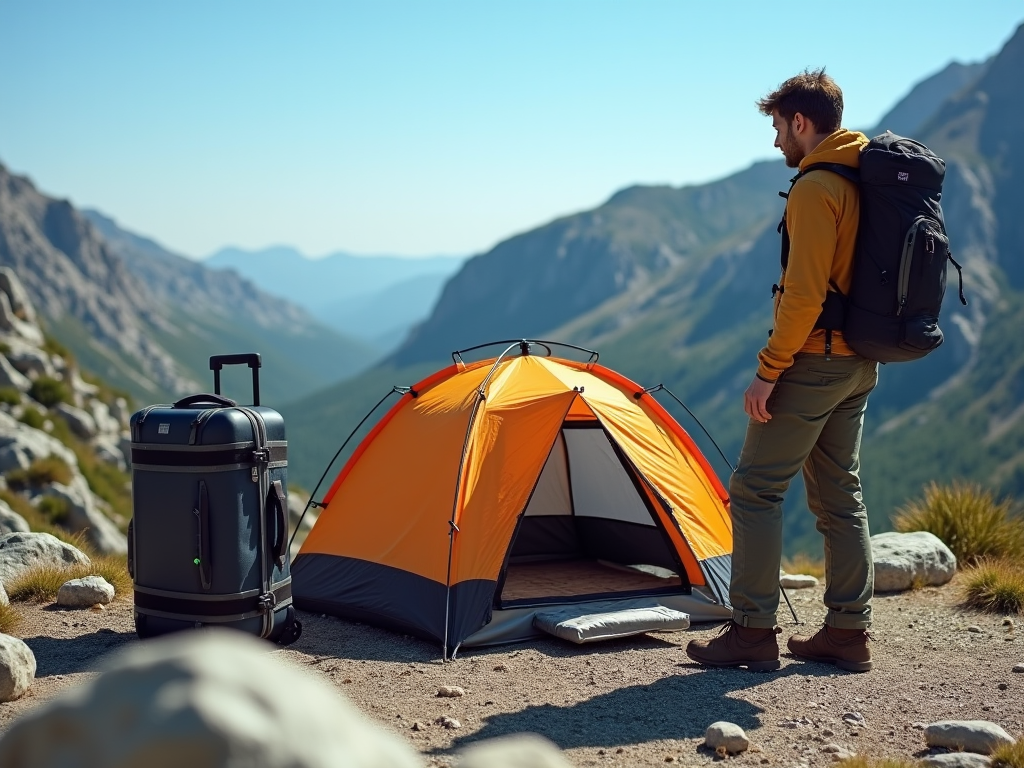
<point>806,406</point>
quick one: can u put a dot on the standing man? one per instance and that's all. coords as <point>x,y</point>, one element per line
<point>806,405</point>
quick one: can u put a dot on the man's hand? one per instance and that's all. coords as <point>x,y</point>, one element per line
<point>755,399</point>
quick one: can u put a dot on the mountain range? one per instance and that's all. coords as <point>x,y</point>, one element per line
<point>673,285</point>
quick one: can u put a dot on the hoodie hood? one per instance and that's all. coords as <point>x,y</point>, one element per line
<point>840,146</point>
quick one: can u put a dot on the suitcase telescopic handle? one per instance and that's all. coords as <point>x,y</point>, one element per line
<point>252,359</point>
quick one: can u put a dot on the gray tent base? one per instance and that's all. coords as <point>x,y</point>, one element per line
<point>512,625</point>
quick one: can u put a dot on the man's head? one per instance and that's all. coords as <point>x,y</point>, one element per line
<point>804,110</point>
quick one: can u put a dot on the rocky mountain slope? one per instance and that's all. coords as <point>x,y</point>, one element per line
<point>673,285</point>
<point>146,319</point>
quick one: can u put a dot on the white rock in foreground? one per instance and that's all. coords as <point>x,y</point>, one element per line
<point>797,581</point>
<point>903,560</point>
<point>17,670</point>
<point>20,552</point>
<point>202,699</point>
<point>84,593</point>
<point>979,736</point>
<point>727,736</point>
<point>522,751</point>
<point>957,760</point>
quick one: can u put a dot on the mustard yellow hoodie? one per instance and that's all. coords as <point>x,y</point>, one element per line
<point>822,214</point>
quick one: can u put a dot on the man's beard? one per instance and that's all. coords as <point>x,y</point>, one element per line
<point>792,152</point>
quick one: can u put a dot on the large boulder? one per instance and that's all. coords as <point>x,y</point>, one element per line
<point>210,698</point>
<point>21,444</point>
<point>11,521</point>
<point>906,560</point>
<point>84,515</point>
<point>524,750</point>
<point>17,297</point>
<point>17,671</point>
<point>20,552</point>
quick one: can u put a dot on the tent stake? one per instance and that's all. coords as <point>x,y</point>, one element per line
<point>791,610</point>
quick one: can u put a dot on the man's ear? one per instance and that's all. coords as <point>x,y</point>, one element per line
<point>799,123</point>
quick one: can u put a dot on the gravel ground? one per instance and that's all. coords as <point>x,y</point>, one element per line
<point>637,701</point>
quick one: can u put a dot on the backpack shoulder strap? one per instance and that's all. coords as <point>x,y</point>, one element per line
<point>851,174</point>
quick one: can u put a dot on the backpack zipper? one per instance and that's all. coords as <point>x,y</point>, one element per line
<point>903,286</point>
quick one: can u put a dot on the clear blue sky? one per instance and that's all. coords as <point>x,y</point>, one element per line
<point>425,127</point>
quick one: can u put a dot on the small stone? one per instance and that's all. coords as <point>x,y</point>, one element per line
<point>797,581</point>
<point>957,760</point>
<point>1008,622</point>
<point>827,732</point>
<point>418,726</point>
<point>347,680</point>
<point>831,748</point>
<point>853,718</point>
<point>1018,667</point>
<point>842,754</point>
<point>85,593</point>
<point>727,736</point>
<point>789,724</point>
<point>450,691</point>
<point>670,759</point>
<point>98,607</point>
<point>979,736</point>
<point>448,722</point>
<point>1002,686</point>
<point>501,668</point>
<point>975,629</point>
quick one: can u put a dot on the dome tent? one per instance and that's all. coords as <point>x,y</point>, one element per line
<point>497,488</point>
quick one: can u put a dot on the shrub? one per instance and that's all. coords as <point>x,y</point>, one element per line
<point>33,418</point>
<point>54,509</point>
<point>41,583</point>
<point>49,391</point>
<point>804,563</point>
<point>968,519</point>
<point>54,347</point>
<point>41,472</point>
<point>10,395</point>
<point>1009,755</point>
<point>10,617</point>
<point>996,586</point>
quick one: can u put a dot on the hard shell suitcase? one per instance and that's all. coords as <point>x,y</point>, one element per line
<point>208,540</point>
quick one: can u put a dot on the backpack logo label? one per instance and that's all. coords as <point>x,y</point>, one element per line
<point>903,176</point>
<point>163,429</point>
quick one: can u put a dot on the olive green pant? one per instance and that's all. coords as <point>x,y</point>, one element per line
<point>817,417</point>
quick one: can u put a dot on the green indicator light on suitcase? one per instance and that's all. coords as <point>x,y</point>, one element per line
<point>196,561</point>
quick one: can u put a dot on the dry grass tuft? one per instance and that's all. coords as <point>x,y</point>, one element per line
<point>968,519</point>
<point>804,563</point>
<point>10,617</point>
<point>995,586</point>
<point>1009,756</point>
<point>40,584</point>
<point>859,761</point>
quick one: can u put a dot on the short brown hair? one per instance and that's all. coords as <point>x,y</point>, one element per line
<point>813,94</point>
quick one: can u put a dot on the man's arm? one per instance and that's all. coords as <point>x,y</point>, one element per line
<point>811,218</point>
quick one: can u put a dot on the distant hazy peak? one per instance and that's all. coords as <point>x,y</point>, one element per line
<point>914,110</point>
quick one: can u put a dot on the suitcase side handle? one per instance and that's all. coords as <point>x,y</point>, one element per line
<point>277,501</point>
<point>252,359</point>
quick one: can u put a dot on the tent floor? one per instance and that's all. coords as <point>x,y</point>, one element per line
<point>553,581</point>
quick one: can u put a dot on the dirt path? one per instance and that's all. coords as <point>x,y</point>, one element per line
<point>637,701</point>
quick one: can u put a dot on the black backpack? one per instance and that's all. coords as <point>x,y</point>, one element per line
<point>899,273</point>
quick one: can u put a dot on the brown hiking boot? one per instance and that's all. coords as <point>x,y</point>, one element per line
<point>736,646</point>
<point>846,648</point>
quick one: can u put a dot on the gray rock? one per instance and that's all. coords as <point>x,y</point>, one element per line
<point>957,760</point>
<point>521,751</point>
<point>21,444</point>
<point>29,359</point>
<point>85,593</point>
<point>4,599</point>
<point>17,670</point>
<point>905,559</point>
<point>105,423</point>
<point>1018,667</point>
<point>975,629</point>
<point>108,449</point>
<point>20,552</point>
<point>797,581</point>
<point>219,694</point>
<point>448,722</point>
<point>85,516</point>
<point>17,296</point>
<point>81,422</point>
<point>11,521</point>
<point>727,736</point>
<point>450,691</point>
<point>10,323</point>
<point>12,377</point>
<point>979,736</point>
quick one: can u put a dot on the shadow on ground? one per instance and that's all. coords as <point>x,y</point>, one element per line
<point>67,655</point>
